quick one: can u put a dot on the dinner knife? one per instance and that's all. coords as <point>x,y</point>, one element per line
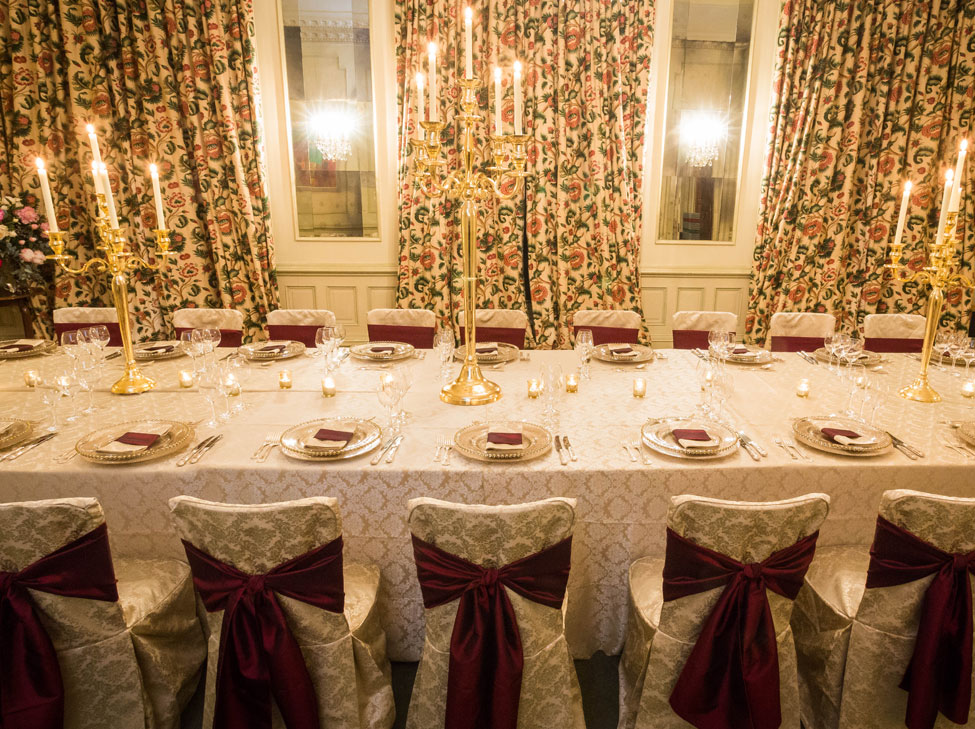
<point>29,445</point>
<point>569,448</point>
<point>808,357</point>
<point>113,355</point>
<point>747,440</point>
<point>392,450</point>
<point>185,459</point>
<point>558,447</point>
<point>747,446</point>
<point>898,442</point>
<point>382,451</point>
<point>202,451</point>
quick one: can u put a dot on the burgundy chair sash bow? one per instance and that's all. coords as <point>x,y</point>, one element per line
<point>939,675</point>
<point>893,344</point>
<point>419,337</point>
<point>486,660</point>
<point>31,690</point>
<point>258,654</point>
<point>611,335</point>
<point>731,678</point>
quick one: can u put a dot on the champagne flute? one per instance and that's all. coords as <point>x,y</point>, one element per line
<point>584,346</point>
<point>386,393</point>
<point>209,385</point>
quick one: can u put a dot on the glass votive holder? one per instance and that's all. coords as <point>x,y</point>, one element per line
<point>968,389</point>
<point>328,386</point>
<point>534,388</point>
<point>802,389</point>
<point>639,387</point>
<point>572,382</point>
<point>186,378</point>
<point>284,379</point>
<point>31,378</point>
<point>233,385</point>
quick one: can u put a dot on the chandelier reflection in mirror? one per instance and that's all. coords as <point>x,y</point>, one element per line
<point>701,135</point>
<point>331,131</point>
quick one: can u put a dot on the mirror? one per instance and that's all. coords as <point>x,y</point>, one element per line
<point>706,90</point>
<point>329,73</point>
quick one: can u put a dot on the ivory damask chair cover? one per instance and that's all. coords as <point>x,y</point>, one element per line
<point>893,332</point>
<point>300,325</point>
<point>855,640</point>
<point>794,331</point>
<point>485,547</point>
<point>343,646</point>
<point>72,318</point>
<point>498,325</point>
<point>752,542</point>
<point>229,321</point>
<point>609,326</point>
<point>129,652</point>
<point>691,328</point>
<point>413,326</point>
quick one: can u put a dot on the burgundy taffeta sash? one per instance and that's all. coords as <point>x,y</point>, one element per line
<point>419,337</point>
<point>731,678</point>
<point>228,337</point>
<point>796,344</point>
<point>507,335</point>
<point>939,676</point>
<point>258,654</point>
<point>486,660</point>
<point>31,690</point>
<point>892,344</point>
<point>612,335</point>
<point>114,330</point>
<point>304,333</point>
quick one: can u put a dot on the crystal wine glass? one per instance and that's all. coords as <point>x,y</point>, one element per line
<point>584,346</point>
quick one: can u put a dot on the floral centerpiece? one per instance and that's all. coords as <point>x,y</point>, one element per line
<point>23,246</point>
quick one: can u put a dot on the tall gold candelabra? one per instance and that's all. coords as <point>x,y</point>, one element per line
<point>118,261</point>
<point>940,273</point>
<point>472,188</point>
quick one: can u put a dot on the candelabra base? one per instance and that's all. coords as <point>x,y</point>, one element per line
<point>133,382</point>
<point>470,388</point>
<point>920,391</point>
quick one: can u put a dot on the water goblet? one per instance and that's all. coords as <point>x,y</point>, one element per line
<point>704,372</point>
<point>941,344</point>
<point>192,348</point>
<point>584,346</point>
<point>99,336</point>
<point>209,384</point>
<point>386,392</point>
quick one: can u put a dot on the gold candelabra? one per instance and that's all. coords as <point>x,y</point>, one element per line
<point>472,187</point>
<point>940,273</point>
<point>118,260</point>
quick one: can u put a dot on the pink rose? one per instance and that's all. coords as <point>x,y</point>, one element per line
<point>27,255</point>
<point>27,214</point>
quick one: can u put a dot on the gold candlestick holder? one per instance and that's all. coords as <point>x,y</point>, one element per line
<point>118,261</point>
<point>940,273</point>
<point>472,188</point>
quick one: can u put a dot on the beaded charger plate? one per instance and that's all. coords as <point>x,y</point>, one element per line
<point>867,358</point>
<point>658,435</point>
<point>506,353</point>
<point>13,431</point>
<point>754,356</point>
<point>472,443</point>
<point>809,432</point>
<point>603,354</point>
<point>966,431</point>
<point>173,440</point>
<point>158,350</point>
<point>366,437</point>
<point>284,349</point>
<point>945,359</point>
<point>44,347</point>
<point>387,351</point>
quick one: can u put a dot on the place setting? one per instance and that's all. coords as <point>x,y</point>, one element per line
<point>623,353</point>
<point>693,438</point>
<point>22,348</point>
<point>271,351</point>
<point>504,441</point>
<point>331,439</point>
<point>490,353</point>
<point>14,431</point>
<point>382,353</point>
<point>152,351</point>
<point>135,441</point>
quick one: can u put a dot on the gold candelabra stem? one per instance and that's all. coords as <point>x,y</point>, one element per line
<point>117,261</point>
<point>472,188</point>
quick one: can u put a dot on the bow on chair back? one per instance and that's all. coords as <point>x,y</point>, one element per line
<point>756,555</point>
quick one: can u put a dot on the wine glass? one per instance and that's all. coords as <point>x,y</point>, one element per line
<point>66,385</point>
<point>957,341</point>
<point>704,372</point>
<point>209,384</point>
<point>99,336</point>
<point>859,383</point>
<point>551,377</point>
<point>584,346</point>
<point>386,392</point>
<point>49,394</point>
<point>722,388</point>
<point>941,344</point>
<point>212,337</point>
<point>71,343</point>
<point>323,341</point>
<point>86,371</point>
<point>967,354</point>
<point>403,381</point>
<point>718,342</point>
<point>191,348</point>
<point>443,342</point>
<point>338,333</point>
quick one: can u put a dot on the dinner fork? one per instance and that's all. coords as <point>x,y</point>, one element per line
<point>445,454</point>
<point>268,440</point>
<point>788,449</point>
<point>66,456</point>
<point>638,447</point>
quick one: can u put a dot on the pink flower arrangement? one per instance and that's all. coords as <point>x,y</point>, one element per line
<point>27,214</point>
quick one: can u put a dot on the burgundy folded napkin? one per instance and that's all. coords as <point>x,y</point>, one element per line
<point>844,436</point>
<point>331,439</point>
<point>505,437</point>
<point>623,351</point>
<point>159,348</point>
<point>273,348</point>
<point>16,347</point>
<point>487,348</point>
<point>143,440</point>
<point>693,438</point>
<point>132,441</point>
<point>382,350</point>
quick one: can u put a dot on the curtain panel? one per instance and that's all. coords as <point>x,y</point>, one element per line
<point>572,240</point>
<point>166,81</point>
<point>866,96</point>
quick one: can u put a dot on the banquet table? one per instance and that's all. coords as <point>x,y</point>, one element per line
<point>622,505</point>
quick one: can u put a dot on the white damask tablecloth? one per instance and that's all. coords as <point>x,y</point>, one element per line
<point>622,505</point>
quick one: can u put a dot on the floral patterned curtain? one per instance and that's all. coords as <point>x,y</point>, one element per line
<point>867,95</point>
<point>166,81</point>
<point>571,240</point>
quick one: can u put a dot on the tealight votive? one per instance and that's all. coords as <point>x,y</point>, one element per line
<point>802,389</point>
<point>572,382</point>
<point>284,379</point>
<point>534,388</point>
<point>968,389</point>
<point>328,386</point>
<point>639,387</point>
<point>186,378</point>
<point>31,378</point>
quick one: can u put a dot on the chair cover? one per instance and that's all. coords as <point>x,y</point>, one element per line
<point>854,643</point>
<point>609,326</point>
<point>345,652</point>
<point>893,332</point>
<point>413,326</point>
<point>495,536</point>
<point>792,331</point>
<point>498,325</point>
<point>300,325</point>
<point>134,662</point>
<point>73,318</point>
<point>691,328</point>
<point>660,635</point>
<point>229,321</point>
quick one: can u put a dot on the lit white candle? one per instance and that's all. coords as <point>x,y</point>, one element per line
<point>52,221</point>
<point>955,202</point>
<point>96,154</point>
<point>109,198</point>
<point>517,84</point>
<point>497,101</point>
<point>328,386</point>
<point>434,101</point>
<point>420,103</point>
<point>97,175</point>
<point>902,218</point>
<point>949,175</point>
<point>468,43</point>
<point>157,196</point>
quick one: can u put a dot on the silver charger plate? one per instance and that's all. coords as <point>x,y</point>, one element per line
<point>401,350</point>
<point>867,358</point>
<point>367,438</point>
<point>253,351</point>
<point>174,440</point>
<point>755,357</point>
<point>602,353</point>
<point>506,353</point>
<point>807,431</point>
<point>657,434</point>
<point>13,431</point>
<point>966,431</point>
<point>945,359</point>
<point>45,347</point>
<point>144,354</point>
<point>471,441</point>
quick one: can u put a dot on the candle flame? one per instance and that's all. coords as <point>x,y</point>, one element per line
<point>949,176</point>
<point>94,167</point>
<point>497,73</point>
<point>102,168</point>
<point>517,68</point>
<point>153,170</point>
<point>908,186</point>
<point>432,49</point>
<point>468,15</point>
<point>40,164</point>
<point>420,79</point>
<point>964,145</point>
<point>90,128</point>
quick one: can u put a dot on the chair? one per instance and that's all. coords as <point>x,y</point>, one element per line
<point>691,328</point>
<point>661,633</point>
<point>413,326</point>
<point>129,652</point>
<point>491,540</point>
<point>854,640</point>
<point>267,548</point>
<point>72,318</point>
<point>893,332</point>
<point>794,331</point>
<point>609,326</point>
<point>497,325</point>
<point>300,325</point>
<point>229,321</point>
